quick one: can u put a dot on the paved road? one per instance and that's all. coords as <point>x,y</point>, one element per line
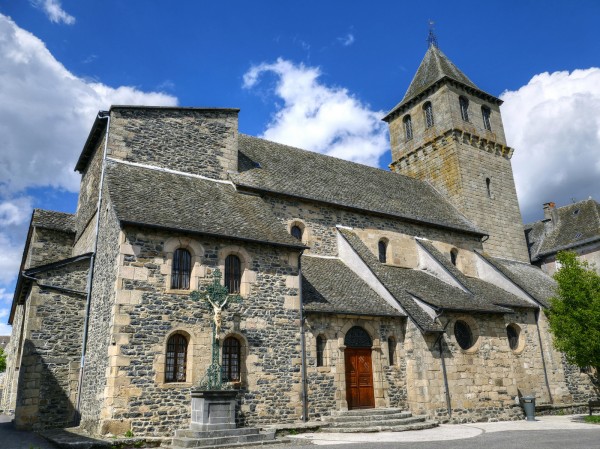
<point>16,439</point>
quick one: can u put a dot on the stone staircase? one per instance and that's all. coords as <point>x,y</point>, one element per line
<point>375,420</point>
<point>241,437</point>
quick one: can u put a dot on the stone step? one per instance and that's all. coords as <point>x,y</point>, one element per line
<point>382,428</point>
<point>369,417</point>
<point>369,411</point>
<point>199,434</point>
<point>361,424</point>
<point>223,441</point>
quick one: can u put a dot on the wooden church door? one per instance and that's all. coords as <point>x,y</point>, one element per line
<point>359,369</point>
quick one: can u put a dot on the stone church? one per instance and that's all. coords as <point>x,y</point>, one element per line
<point>358,287</point>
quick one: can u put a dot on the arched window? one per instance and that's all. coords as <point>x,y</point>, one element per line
<point>296,232</point>
<point>392,350</point>
<point>464,108</point>
<point>454,256</point>
<point>321,341</point>
<point>176,359</point>
<point>463,334</point>
<point>181,269</point>
<point>230,364</point>
<point>233,273</point>
<point>382,247</point>
<point>408,131</point>
<point>486,113</point>
<point>428,111</point>
<point>488,184</point>
<point>512,332</point>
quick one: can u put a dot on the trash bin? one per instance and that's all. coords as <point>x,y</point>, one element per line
<point>528,403</point>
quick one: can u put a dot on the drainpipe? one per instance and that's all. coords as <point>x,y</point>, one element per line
<point>537,322</point>
<point>302,344</point>
<point>441,349</point>
<point>101,115</point>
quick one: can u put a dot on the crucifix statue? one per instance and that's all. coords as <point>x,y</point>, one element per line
<point>218,297</point>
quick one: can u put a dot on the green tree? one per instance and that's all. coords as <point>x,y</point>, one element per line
<point>574,313</point>
<point>2,361</point>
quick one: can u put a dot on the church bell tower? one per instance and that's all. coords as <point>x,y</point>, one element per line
<point>448,132</point>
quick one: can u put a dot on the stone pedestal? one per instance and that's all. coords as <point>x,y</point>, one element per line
<point>213,410</point>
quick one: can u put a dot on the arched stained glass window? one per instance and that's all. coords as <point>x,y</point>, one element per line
<point>233,273</point>
<point>408,131</point>
<point>296,232</point>
<point>512,332</point>
<point>231,361</point>
<point>181,269</point>
<point>357,337</point>
<point>321,342</point>
<point>428,111</point>
<point>382,249</point>
<point>463,334</point>
<point>176,360</point>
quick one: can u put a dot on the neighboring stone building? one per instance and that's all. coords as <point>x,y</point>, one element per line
<point>575,227</point>
<point>410,288</point>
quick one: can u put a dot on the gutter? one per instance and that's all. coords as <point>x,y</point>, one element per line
<point>302,344</point>
<point>101,116</point>
<point>445,374</point>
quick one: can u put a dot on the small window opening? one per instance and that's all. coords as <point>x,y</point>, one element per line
<point>408,131</point>
<point>392,350</point>
<point>488,185</point>
<point>231,360</point>
<point>513,336</point>
<point>382,247</point>
<point>296,232</point>
<point>464,108</point>
<point>428,110</point>
<point>176,359</point>
<point>578,235</point>
<point>233,273</point>
<point>454,256</point>
<point>321,350</point>
<point>463,334</point>
<point>576,212</point>
<point>181,269</point>
<point>485,113</point>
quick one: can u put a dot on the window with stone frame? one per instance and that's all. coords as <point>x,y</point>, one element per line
<point>454,256</point>
<point>486,114</point>
<point>463,335</point>
<point>176,358</point>
<point>181,269</point>
<point>428,111</point>
<point>512,332</point>
<point>296,232</point>
<point>321,342</point>
<point>382,250</point>
<point>392,350</point>
<point>464,108</point>
<point>233,273</point>
<point>408,131</point>
<point>231,360</point>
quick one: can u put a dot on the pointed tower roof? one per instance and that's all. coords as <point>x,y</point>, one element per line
<point>435,68</point>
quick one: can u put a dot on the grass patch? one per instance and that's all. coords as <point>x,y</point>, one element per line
<point>594,419</point>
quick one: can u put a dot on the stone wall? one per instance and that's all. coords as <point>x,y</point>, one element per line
<point>88,190</point>
<point>51,349</point>
<point>97,366</point>
<point>198,141</point>
<point>147,312</point>
<point>589,253</point>
<point>48,246</point>
<point>13,360</point>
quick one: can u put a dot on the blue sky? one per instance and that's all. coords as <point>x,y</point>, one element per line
<point>318,75</point>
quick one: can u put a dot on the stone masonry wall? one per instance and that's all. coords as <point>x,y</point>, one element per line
<point>101,314</point>
<point>198,141</point>
<point>51,349</point>
<point>88,191</point>
<point>13,360</point>
<point>147,312</point>
<point>48,246</point>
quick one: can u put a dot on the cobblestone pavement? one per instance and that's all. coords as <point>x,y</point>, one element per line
<point>19,439</point>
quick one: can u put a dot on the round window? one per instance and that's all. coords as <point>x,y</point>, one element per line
<point>512,332</point>
<point>463,334</point>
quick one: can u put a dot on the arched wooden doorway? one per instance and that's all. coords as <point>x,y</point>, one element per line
<point>359,369</point>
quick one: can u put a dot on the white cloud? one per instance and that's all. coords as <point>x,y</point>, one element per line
<point>553,123</point>
<point>320,118</point>
<point>346,40</point>
<point>54,11</point>
<point>46,112</point>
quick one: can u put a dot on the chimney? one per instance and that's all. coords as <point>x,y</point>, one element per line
<point>548,208</point>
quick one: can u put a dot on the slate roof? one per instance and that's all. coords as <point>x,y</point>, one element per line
<point>482,292</point>
<point>528,277</point>
<point>436,67</point>
<point>573,225</point>
<point>329,286</point>
<point>167,200</point>
<point>272,167</point>
<point>49,219</point>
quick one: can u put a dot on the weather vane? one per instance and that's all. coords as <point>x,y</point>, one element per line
<point>431,37</point>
